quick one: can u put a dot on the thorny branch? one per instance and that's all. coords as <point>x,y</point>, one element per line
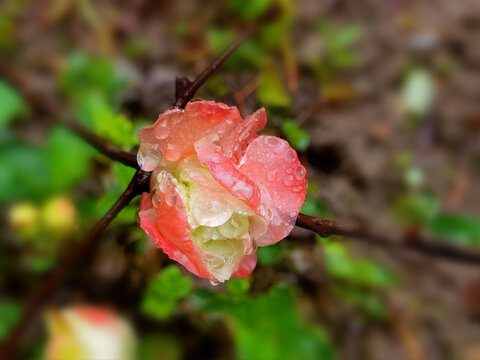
<point>86,247</point>
<point>185,90</point>
<point>50,105</point>
<point>409,241</point>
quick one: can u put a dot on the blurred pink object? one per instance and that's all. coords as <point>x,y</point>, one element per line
<point>88,332</point>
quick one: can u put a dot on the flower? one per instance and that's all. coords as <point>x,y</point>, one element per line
<point>88,332</point>
<point>217,188</point>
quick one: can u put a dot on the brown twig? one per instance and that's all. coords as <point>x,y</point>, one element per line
<point>48,103</point>
<point>138,184</point>
<point>430,247</point>
<point>185,93</point>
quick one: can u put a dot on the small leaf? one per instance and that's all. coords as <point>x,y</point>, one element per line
<point>238,286</point>
<point>68,158</point>
<point>11,102</point>
<point>248,9</point>
<point>361,272</point>
<point>271,90</point>
<point>416,208</point>
<point>297,137</point>
<point>248,55</point>
<point>457,228</point>
<point>9,315</point>
<point>163,293</point>
<point>315,208</point>
<point>269,255</point>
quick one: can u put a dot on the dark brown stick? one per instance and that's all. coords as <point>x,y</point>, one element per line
<point>138,184</point>
<point>47,102</point>
<point>185,90</point>
<point>417,243</point>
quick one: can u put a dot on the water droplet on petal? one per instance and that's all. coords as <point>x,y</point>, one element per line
<point>214,282</point>
<point>297,189</point>
<point>272,140</point>
<point>300,172</point>
<point>290,154</point>
<point>272,175</point>
<point>253,248</point>
<point>288,180</point>
<point>162,131</point>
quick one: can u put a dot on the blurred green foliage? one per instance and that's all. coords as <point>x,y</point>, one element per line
<point>9,315</point>
<point>267,326</point>
<point>338,52</point>
<point>358,282</point>
<point>341,265</point>
<point>298,138</point>
<point>460,229</point>
<point>249,9</point>
<point>270,255</point>
<point>271,91</point>
<point>163,293</point>
<point>12,104</point>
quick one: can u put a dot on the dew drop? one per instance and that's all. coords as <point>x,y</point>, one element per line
<point>253,248</point>
<point>171,198</point>
<point>300,172</point>
<point>288,180</point>
<point>297,189</point>
<point>290,155</point>
<point>272,140</point>
<point>214,282</point>
<point>271,175</point>
<point>162,131</point>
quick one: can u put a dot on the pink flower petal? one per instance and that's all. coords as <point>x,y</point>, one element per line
<point>167,224</point>
<point>174,134</point>
<point>235,141</point>
<point>246,266</point>
<point>226,173</point>
<point>274,166</point>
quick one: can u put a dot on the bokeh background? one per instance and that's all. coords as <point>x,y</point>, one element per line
<point>380,98</point>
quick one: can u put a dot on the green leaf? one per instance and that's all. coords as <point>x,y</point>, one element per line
<point>68,158</point>
<point>217,86</point>
<point>456,228</point>
<point>85,74</point>
<point>9,315</point>
<point>100,116</point>
<point>269,255</point>
<point>248,55</point>
<point>339,38</point>
<point>248,9</point>
<point>11,102</point>
<point>261,323</point>
<point>315,208</point>
<point>163,293</point>
<point>23,172</point>
<point>297,137</point>
<point>367,302</point>
<point>271,90</point>
<point>238,286</point>
<point>418,92</point>
<point>360,272</point>
<point>416,208</point>
<point>123,173</point>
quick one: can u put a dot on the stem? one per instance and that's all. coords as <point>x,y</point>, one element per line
<point>138,184</point>
<point>185,89</point>
<point>412,241</point>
